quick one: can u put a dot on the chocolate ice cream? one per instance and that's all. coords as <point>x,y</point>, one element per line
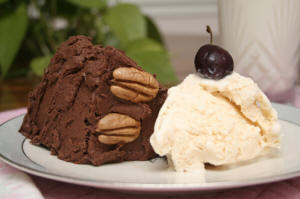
<point>94,105</point>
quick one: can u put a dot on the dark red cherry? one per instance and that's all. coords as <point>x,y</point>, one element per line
<point>213,62</point>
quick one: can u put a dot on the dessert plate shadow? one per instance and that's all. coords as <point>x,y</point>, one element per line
<point>154,176</point>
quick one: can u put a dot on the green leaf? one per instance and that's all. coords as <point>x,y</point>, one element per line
<point>2,1</point>
<point>126,22</point>
<point>153,58</point>
<point>100,36</point>
<point>12,30</point>
<point>144,45</point>
<point>153,31</point>
<point>89,3</point>
<point>111,40</point>
<point>39,64</point>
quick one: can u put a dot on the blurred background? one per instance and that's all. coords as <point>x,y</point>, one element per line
<point>31,30</point>
<point>161,36</point>
<point>183,24</point>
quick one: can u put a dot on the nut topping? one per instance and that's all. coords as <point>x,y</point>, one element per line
<point>134,85</point>
<point>117,128</point>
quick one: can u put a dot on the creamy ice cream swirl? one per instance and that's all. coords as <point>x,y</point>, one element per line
<point>217,122</point>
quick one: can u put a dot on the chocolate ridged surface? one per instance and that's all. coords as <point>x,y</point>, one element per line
<point>74,94</point>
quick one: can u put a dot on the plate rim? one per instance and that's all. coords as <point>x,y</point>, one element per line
<point>150,187</point>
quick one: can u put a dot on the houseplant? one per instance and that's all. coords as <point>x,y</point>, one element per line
<point>31,31</point>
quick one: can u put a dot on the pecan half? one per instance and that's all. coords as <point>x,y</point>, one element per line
<point>134,85</point>
<point>117,128</point>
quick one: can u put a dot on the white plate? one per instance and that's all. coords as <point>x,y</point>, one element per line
<point>153,176</point>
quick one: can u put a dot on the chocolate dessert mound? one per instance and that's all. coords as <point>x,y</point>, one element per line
<point>94,105</point>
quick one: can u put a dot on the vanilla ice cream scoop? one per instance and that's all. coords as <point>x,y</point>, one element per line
<point>217,122</point>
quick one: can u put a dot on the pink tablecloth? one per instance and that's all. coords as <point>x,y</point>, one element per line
<point>289,189</point>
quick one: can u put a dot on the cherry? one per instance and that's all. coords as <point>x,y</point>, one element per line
<point>212,61</point>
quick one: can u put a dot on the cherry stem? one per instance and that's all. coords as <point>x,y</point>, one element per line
<point>208,30</point>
